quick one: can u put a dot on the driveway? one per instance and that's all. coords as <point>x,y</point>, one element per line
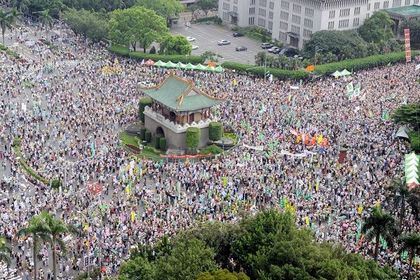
<point>206,39</point>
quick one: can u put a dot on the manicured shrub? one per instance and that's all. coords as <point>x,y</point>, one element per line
<point>123,51</point>
<point>215,131</point>
<point>162,143</point>
<point>55,183</point>
<point>142,133</point>
<point>148,136</point>
<point>145,101</point>
<point>259,71</point>
<point>156,142</point>
<point>193,138</point>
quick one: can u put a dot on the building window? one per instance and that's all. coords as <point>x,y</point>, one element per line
<point>225,16</point>
<point>296,19</point>
<point>376,6</point>
<point>283,36</point>
<point>309,12</point>
<point>330,25</point>
<point>284,25</point>
<point>357,11</point>
<point>368,7</point>
<point>271,5</point>
<point>396,3</point>
<point>270,15</point>
<point>226,6</point>
<point>252,2</point>
<point>295,29</point>
<point>251,21</point>
<point>235,1</point>
<point>284,5</point>
<point>284,15</point>
<point>332,14</point>
<point>263,3</point>
<point>386,4</point>
<point>416,2</point>
<point>344,12</point>
<point>270,25</point>
<point>355,22</point>
<point>407,2</point>
<point>252,11</point>
<point>367,15</point>
<point>343,23</point>
<point>235,9</point>
<point>307,33</point>
<point>296,8</point>
<point>261,22</point>
<point>261,12</point>
<point>308,23</point>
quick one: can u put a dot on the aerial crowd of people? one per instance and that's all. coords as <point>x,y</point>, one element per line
<point>69,114</point>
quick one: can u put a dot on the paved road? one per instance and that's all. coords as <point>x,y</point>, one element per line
<point>207,37</point>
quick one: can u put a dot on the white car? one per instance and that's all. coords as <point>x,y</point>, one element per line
<point>194,47</point>
<point>190,39</point>
<point>223,42</point>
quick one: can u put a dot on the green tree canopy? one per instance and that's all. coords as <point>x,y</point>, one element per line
<point>177,44</point>
<point>414,26</point>
<point>92,25</point>
<point>136,25</point>
<point>408,114</point>
<point>164,8</point>
<point>342,44</point>
<point>138,268</point>
<point>206,5</point>
<point>377,28</point>
<point>5,250</point>
<point>411,243</point>
<point>98,5</point>
<point>223,274</point>
<point>186,261</point>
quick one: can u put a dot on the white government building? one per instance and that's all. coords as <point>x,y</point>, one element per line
<point>294,21</point>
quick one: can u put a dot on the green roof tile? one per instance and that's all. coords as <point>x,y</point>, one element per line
<point>168,93</point>
<point>407,11</point>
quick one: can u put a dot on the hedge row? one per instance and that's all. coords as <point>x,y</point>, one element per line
<point>124,51</point>
<point>215,131</point>
<point>362,63</point>
<point>259,71</point>
<point>193,137</point>
<point>24,164</point>
<point>415,141</point>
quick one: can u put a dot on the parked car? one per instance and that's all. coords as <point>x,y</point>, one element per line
<point>289,52</point>
<point>240,49</point>
<point>266,45</point>
<point>194,47</point>
<point>190,39</point>
<point>223,42</point>
<point>274,50</point>
<point>237,34</point>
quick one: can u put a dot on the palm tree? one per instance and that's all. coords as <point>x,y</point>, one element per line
<point>410,242</point>
<point>4,251</point>
<point>39,231</point>
<point>5,22</point>
<point>46,20</point>
<point>57,228</point>
<point>379,224</point>
<point>399,194</point>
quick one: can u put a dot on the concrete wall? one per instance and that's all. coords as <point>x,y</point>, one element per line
<point>174,140</point>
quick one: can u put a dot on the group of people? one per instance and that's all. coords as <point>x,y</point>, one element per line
<point>68,115</point>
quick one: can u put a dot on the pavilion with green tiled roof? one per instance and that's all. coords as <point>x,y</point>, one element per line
<point>178,104</point>
<point>181,95</point>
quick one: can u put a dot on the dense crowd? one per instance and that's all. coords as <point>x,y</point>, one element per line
<point>68,115</point>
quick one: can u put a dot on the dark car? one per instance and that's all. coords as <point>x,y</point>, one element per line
<point>237,34</point>
<point>266,45</point>
<point>240,49</point>
<point>289,52</point>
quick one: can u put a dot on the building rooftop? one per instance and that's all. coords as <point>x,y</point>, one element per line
<point>181,95</point>
<point>406,12</point>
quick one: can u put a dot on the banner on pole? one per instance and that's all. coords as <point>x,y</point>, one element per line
<point>407,45</point>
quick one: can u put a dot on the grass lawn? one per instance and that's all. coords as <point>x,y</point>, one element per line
<point>129,139</point>
<point>150,153</point>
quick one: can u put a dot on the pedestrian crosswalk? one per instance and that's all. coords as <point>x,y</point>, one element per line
<point>8,274</point>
